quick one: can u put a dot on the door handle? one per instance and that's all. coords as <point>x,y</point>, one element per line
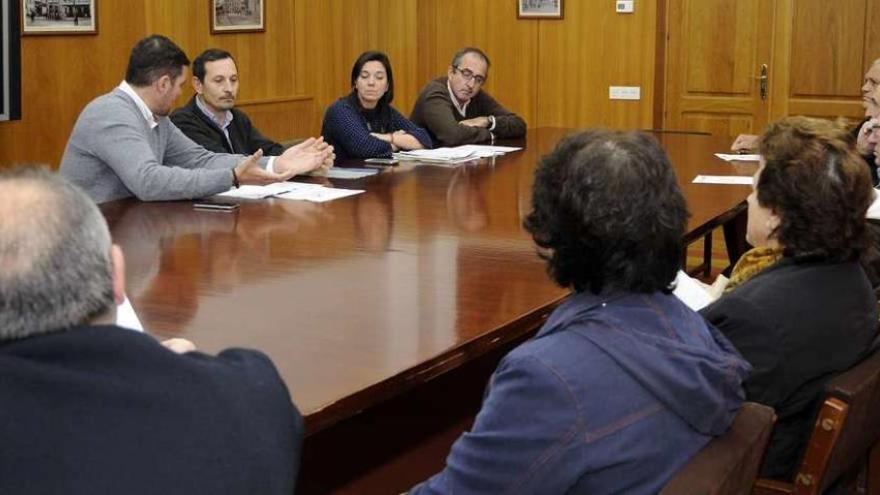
<point>764,81</point>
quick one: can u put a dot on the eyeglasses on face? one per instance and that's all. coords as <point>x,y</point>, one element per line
<point>468,75</point>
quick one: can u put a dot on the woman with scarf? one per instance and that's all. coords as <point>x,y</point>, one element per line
<point>799,306</point>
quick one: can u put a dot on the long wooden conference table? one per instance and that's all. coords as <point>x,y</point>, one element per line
<point>361,300</point>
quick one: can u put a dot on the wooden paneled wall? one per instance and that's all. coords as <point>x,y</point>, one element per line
<point>554,73</point>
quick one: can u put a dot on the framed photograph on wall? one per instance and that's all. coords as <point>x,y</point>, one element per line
<point>59,17</point>
<point>539,9</point>
<point>237,16</point>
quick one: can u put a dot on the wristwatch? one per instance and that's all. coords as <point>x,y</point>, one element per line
<point>491,122</point>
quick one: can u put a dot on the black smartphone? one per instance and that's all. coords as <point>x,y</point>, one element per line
<point>214,205</point>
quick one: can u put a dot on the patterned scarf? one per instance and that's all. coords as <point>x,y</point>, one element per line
<point>753,262</point>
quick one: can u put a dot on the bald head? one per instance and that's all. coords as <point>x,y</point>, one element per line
<point>55,268</point>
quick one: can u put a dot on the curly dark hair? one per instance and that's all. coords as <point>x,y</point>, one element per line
<point>818,186</point>
<point>608,213</point>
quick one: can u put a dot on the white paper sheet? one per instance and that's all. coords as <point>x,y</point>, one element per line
<point>874,209</point>
<point>320,195</point>
<point>267,191</point>
<point>738,157</point>
<point>127,318</point>
<point>691,292</point>
<point>723,179</point>
<point>486,150</point>
<point>247,192</point>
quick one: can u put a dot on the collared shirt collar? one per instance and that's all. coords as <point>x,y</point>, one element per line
<point>461,108</point>
<point>227,116</point>
<point>142,106</point>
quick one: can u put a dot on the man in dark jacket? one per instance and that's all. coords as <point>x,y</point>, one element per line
<point>211,119</point>
<point>89,407</point>
<point>456,112</point>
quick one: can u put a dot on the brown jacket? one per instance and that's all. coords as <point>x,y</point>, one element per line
<point>435,112</point>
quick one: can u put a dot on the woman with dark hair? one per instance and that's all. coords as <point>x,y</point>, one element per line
<point>799,306</point>
<point>624,383</point>
<point>364,124</point>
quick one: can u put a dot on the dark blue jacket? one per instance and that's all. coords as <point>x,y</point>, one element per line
<point>102,409</point>
<point>613,395</point>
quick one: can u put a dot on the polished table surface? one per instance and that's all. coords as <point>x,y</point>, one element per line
<point>362,298</point>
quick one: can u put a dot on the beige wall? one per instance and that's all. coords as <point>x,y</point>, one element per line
<point>554,73</point>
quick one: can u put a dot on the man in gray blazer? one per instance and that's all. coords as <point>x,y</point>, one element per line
<point>124,145</point>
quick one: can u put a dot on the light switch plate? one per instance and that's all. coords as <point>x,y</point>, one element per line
<point>625,92</point>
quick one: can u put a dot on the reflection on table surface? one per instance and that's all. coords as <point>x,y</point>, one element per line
<point>360,298</point>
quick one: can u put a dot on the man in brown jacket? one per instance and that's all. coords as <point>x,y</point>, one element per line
<point>455,111</point>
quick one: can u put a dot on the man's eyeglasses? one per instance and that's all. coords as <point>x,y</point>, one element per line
<point>467,74</point>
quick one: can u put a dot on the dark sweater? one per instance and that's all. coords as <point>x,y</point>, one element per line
<point>797,323</point>
<point>349,130</point>
<point>246,139</point>
<point>435,112</point>
<point>109,410</point>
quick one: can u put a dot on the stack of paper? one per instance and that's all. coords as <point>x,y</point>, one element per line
<point>345,173</point>
<point>438,155</point>
<point>487,151</point>
<point>458,154</point>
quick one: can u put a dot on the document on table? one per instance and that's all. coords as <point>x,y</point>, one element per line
<point>723,179</point>
<point>441,155</point>
<point>267,191</point>
<point>319,195</point>
<point>127,318</point>
<point>738,158</point>
<point>457,154</point>
<point>483,150</point>
<point>347,173</point>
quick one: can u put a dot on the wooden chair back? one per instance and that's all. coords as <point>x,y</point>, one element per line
<point>728,465</point>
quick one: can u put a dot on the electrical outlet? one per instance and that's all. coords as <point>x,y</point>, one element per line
<point>625,92</point>
<point>624,6</point>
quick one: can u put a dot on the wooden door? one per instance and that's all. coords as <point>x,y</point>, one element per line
<point>714,53</point>
<point>822,51</point>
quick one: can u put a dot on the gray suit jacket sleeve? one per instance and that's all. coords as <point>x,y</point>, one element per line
<point>153,164</point>
<point>188,172</point>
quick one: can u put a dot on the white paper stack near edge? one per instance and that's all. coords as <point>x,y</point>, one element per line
<point>484,150</point>
<point>457,154</point>
<point>438,155</point>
